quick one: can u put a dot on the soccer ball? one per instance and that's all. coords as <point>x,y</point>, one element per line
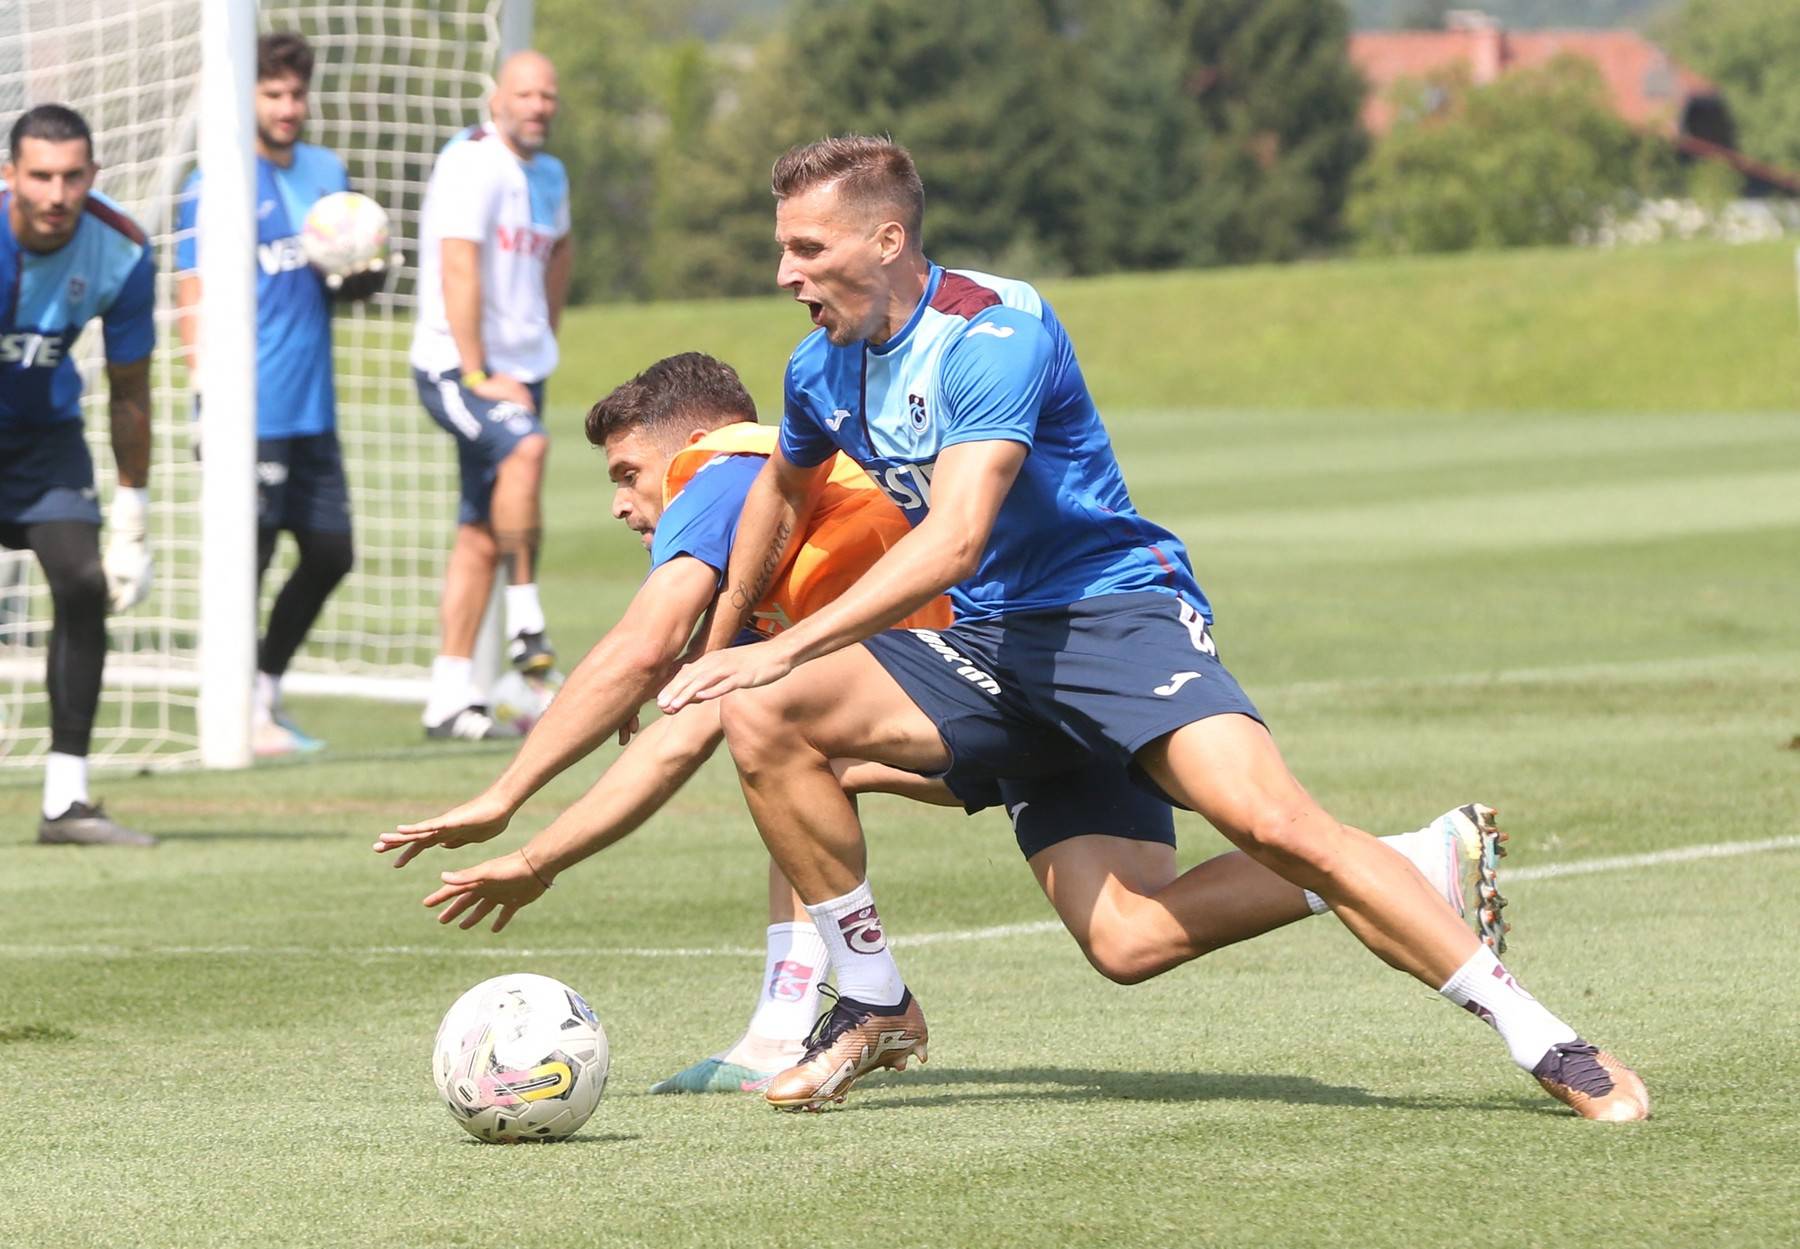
<point>345,234</point>
<point>521,1058</point>
<point>519,700</point>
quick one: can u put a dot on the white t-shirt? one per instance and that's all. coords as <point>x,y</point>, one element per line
<point>515,210</point>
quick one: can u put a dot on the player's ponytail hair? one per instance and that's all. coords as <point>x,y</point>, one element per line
<point>871,175</point>
<point>673,397</point>
<point>53,123</point>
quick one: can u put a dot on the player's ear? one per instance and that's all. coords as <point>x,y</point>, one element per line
<point>890,238</point>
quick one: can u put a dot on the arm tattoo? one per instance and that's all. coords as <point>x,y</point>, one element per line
<point>746,595</point>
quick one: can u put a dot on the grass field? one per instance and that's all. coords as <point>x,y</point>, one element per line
<point>1581,612</point>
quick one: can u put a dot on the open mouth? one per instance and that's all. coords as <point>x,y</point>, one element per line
<point>817,310</point>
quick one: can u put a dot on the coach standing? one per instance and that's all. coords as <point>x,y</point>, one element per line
<point>493,273</point>
<point>68,254</point>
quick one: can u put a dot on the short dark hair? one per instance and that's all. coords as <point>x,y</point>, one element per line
<point>672,396</point>
<point>54,123</point>
<point>870,174</point>
<point>284,54</point>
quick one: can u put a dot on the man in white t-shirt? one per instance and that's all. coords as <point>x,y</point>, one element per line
<point>494,259</point>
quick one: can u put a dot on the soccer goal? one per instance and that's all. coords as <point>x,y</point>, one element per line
<point>394,80</point>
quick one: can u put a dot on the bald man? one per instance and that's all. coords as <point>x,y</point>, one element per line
<point>494,261</point>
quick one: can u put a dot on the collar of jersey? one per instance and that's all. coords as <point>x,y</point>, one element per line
<point>899,340</point>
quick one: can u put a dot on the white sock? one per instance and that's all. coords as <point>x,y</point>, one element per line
<point>1487,990</point>
<point>452,683</point>
<point>793,969</point>
<point>65,782</point>
<point>524,613</point>
<point>268,698</point>
<point>857,948</point>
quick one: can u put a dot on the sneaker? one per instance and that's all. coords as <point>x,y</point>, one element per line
<point>471,724</point>
<point>276,738</point>
<point>531,653</point>
<point>87,824</point>
<point>850,1040</point>
<point>1460,853</point>
<point>713,1075</point>
<point>1593,1083</point>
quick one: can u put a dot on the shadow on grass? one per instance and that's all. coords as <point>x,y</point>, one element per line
<point>1087,1084</point>
<point>580,1138</point>
<point>244,834</point>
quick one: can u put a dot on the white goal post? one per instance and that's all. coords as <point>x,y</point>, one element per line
<point>394,80</point>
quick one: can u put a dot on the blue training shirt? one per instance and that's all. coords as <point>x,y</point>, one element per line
<point>294,393</point>
<point>982,359</point>
<point>105,270</point>
<point>702,520</point>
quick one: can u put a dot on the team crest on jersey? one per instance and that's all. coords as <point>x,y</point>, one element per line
<point>77,287</point>
<point>915,412</point>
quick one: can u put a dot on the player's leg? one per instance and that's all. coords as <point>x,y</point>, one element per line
<point>454,708</point>
<point>783,738</point>
<point>518,523</point>
<point>69,553</point>
<point>313,503</point>
<point>1227,768</point>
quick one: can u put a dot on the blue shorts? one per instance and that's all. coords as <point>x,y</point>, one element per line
<point>1048,696</point>
<point>46,473</point>
<point>485,431</point>
<point>300,485</point>
<point>1091,796</point>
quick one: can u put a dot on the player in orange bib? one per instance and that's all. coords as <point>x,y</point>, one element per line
<point>682,447</point>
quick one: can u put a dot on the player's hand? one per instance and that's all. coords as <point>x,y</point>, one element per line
<point>127,563</point>
<point>506,882</point>
<point>356,287</point>
<point>629,729</point>
<point>479,819</point>
<point>717,674</point>
<point>502,388</point>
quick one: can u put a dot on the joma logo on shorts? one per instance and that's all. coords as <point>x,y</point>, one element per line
<point>34,351</point>
<point>964,669</point>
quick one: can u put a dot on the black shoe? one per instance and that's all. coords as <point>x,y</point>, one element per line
<point>86,824</point>
<point>531,653</point>
<point>471,724</point>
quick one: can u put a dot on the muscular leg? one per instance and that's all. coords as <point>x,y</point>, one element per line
<point>517,509</point>
<point>784,737</point>
<point>1227,768</point>
<point>468,579</point>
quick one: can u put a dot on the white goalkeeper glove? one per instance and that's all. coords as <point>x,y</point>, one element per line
<point>127,560</point>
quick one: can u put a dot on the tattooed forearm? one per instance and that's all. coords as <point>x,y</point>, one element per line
<point>746,595</point>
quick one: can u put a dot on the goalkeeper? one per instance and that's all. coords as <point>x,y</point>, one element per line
<point>300,482</point>
<point>68,254</point>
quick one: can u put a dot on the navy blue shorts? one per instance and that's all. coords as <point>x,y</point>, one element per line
<point>1092,795</point>
<point>300,484</point>
<point>1046,696</point>
<point>46,473</point>
<point>485,431</point>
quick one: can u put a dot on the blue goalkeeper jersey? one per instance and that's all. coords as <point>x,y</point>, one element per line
<point>983,358</point>
<point>105,270</point>
<point>294,393</point>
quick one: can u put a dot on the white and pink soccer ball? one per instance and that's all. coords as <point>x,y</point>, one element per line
<point>344,234</point>
<point>521,1058</point>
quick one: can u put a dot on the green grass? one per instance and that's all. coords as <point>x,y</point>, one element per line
<point>1581,611</point>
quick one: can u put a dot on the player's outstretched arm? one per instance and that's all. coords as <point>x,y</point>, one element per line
<point>969,485</point>
<point>601,695</point>
<point>660,761</point>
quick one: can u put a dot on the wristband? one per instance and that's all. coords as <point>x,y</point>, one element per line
<point>533,867</point>
<point>473,378</point>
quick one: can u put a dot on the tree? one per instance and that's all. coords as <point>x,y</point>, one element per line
<point>1751,48</point>
<point>1527,159</point>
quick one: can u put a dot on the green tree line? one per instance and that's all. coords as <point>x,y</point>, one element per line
<point>1081,136</point>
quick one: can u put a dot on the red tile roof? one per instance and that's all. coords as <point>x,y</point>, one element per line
<point>1647,88</point>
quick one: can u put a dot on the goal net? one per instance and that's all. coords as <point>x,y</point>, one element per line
<point>394,80</point>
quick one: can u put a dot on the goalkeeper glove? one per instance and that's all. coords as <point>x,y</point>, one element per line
<point>127,561</point>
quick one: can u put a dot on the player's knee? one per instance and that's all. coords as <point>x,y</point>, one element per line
<point>1126,954</point>
<point>329,557</point>
<point>1296,834</point>
<point>756,731</point>
<point>530,451</point>
<point>77,585</point>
